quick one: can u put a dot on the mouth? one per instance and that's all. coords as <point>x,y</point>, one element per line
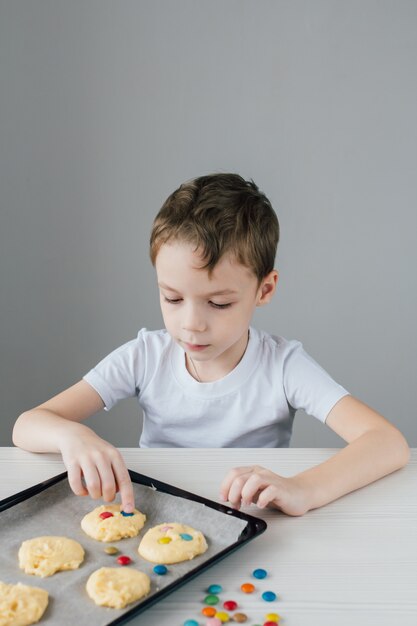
<point>195,347</point>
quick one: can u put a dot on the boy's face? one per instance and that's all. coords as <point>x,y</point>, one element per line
<point>207,316</point>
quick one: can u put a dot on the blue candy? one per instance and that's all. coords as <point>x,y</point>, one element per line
<point>269,596</point>
<point>126,514</point>
<point>160,569</point>
<point>186,536</point>
<point>215,589</point>
<point>260,573</point>
<point>190,622</point>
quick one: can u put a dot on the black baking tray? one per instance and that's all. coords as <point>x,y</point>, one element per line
<point>253,528</point>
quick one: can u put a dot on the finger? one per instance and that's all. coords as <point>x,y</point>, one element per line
<point>228,480</point>
<point>75,480</point>
<point>124,485</point>
<point>92,480</point>
<point>251,489</point>
<point>107,481</point>
<point>235,491</point>
<point>267,496</point>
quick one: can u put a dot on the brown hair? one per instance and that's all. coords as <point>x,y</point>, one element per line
<point>220,213</point>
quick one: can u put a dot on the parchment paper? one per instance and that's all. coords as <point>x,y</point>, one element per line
<point>57,511</point>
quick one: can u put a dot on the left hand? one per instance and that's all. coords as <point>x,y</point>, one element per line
<point>255,484</point>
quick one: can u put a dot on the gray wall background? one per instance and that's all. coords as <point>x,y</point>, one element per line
<point>105,107</point>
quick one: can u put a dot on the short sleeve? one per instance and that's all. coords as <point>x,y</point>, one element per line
<point>307,385</point>
<point>119,374</point>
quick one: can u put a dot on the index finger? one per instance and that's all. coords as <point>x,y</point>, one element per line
<point>124,485</point>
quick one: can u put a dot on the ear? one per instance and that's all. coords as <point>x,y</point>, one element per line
<point>267,288</point>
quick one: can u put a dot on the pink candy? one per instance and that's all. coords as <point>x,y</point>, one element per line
<point>214,621</point>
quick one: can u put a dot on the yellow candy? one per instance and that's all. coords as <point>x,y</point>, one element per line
<point>223,617</point>
<point>272,617</point>
<point>164,540</point>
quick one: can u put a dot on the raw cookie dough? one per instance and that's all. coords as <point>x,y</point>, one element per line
<point>172,543</point>
<point>112,528</point>
<point>21,605</point>
<point>116,587</point>
<point>43,556</point>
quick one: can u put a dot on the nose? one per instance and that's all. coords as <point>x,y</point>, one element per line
<point>193,320</point>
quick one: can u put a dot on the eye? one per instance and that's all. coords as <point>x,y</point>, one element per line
<point>172,300</point>
<point>220,306</point>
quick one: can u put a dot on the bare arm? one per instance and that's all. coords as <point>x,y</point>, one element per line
<point>375,448</point>
<point>94,466</point>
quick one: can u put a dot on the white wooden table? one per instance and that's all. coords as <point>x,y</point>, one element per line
<point>353,562</point>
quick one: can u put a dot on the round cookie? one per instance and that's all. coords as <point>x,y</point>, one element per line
<point>114,527</point>
<point>43,556</point>
<point>21,605</point>
<point>172,543</point>
<point>116,587</point>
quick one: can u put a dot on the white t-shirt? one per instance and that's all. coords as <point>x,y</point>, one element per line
<point>252,407</point>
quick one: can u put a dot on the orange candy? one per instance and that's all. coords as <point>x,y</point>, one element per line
<point>209,611</point>
<point>247,587</point>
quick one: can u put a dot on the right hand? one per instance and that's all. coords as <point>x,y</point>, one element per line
<point>95,467</point>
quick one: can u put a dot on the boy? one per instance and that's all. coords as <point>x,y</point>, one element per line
<point>209,378</point>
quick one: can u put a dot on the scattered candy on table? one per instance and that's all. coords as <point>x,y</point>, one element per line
<point>208,611</point>
<point>161,570</point>
<point>230,605</point>
<point>106,514</point>
<point>269,596</point>
<point>211,599</point>
<point>111,550</point>
<point>218,618</point>
<point>124,560</point>
<point>215,589</point>
<point>272,617</point>
<point>190,622</point>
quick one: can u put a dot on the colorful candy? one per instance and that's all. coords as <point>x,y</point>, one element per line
<point>165,540</point>
<point>273,617</point>
<point>211,599</point>
<point>190,622</point>
<point>247,588</point>
<point>222,616</point>
<point>111,550</point>
<point>270,623</point>
<point>230,605</point>
<point>208,611</point>
<point>126,514</point>
<point>215,589</point>
<point>260,573</point>
<point>106,514</point>
<point>269,596</point>
<point>161,570</point>
<point>213,621</point>
<point>124,560</point>
<point>186,536</point>
<point>240,617</point>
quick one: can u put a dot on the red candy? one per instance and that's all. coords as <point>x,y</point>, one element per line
<point>124,560</point>
<point>106,514</point>
<point>230,605</point>
<point>270,623</point>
